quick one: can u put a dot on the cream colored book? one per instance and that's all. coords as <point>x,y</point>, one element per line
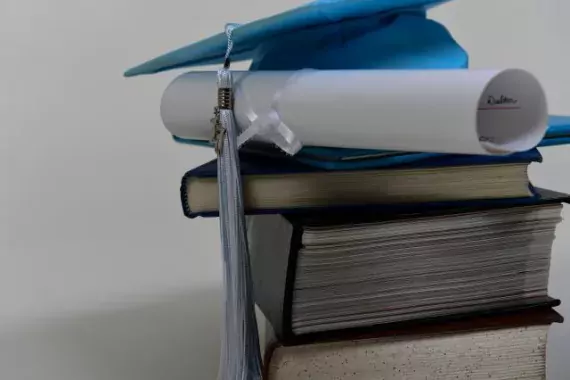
<point>277,185</point>
<point>511,346</point>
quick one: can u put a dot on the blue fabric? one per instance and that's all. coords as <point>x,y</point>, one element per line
<point>253,164</point>
<point>330,34</point>
<point>558,126</point>
<point>555,141</point>
<point>405,41</point>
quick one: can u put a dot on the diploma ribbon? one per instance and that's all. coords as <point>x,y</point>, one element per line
<point>270,126</point>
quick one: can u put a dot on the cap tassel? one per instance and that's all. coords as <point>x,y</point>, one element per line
<point>240,353</point>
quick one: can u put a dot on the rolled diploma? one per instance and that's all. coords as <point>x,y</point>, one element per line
<point>447,111</point>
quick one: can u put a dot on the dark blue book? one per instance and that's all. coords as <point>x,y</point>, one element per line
<point>278,185</point>
<point>316,274</point>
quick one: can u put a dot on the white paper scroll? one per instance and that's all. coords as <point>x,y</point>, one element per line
<point>448,111</point>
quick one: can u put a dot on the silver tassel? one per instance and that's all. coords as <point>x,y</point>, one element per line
<point>240,354</point>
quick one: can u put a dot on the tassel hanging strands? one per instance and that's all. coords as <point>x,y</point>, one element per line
<point>240,354</point>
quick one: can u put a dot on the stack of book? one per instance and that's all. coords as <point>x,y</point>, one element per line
<point>370,262</point>
<point>436,270</point>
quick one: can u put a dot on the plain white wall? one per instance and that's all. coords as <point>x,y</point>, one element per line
<point>101,277</point>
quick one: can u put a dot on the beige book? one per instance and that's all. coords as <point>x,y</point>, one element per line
<point>502,347</point>
<point>324,189</point>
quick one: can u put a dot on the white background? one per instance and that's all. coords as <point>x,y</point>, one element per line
<point>101,277</point>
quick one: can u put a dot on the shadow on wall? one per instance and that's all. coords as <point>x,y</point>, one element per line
<point>175,337</point>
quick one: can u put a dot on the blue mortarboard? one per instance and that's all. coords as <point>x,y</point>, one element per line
<point>336,34</point>
<point>329,34</point>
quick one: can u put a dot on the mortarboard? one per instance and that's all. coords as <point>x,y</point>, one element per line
<point>329,34</point>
